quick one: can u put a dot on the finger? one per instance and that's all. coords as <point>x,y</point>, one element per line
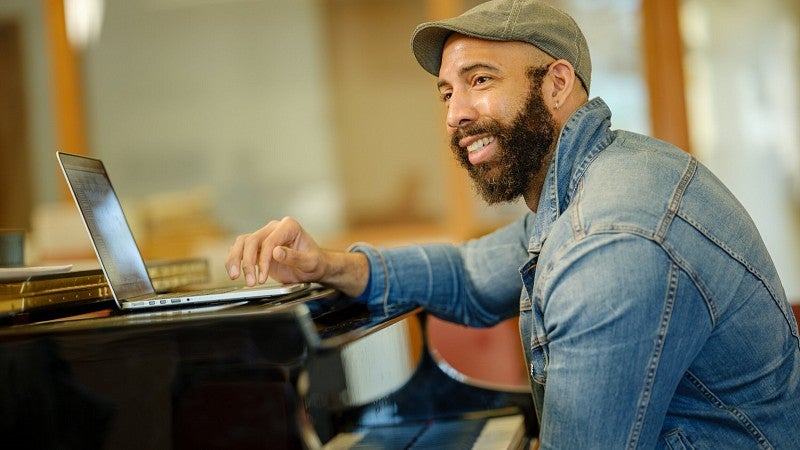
<point>249,249</point>
<point>252,250</point>
<point>235,258</point>
<point>282,233</point>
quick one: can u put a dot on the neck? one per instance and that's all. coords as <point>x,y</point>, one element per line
<point>537,182</point>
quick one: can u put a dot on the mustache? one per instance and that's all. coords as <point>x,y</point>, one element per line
<point>472,129</point>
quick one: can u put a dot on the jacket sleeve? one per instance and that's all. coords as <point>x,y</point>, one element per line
<point>476,283</point>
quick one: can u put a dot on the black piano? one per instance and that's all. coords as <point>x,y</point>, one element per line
<point>308,371</point>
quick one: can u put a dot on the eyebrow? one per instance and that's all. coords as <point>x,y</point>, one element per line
<point>467,69</point>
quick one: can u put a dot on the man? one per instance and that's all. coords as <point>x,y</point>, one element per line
<point>650,312</point>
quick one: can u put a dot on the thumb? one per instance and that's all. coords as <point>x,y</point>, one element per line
<point>302,261</point>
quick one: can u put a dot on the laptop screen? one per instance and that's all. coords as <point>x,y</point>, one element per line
<point>109,231</point>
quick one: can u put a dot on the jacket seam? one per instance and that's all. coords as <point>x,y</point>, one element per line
<point>746,264</point>
<point>577,223</point>
<point>740,416</point>
<point>655,358</point>
<point>675,200</point>
<point>697,281</point>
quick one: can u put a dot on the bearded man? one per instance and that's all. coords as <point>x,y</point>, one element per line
<point>650,312</point>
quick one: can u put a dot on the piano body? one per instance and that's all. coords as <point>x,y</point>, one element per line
<point>305,372</point>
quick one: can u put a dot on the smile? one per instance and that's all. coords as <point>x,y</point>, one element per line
<point>480,143</point>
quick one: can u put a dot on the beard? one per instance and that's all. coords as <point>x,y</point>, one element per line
<point>523,147</point>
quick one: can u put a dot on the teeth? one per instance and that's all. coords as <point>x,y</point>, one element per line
<point>480,143</point>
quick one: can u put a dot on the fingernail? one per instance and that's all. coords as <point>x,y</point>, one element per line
<point>251,280</point>
<point>233,270</point>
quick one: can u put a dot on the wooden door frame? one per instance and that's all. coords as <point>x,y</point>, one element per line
<point>66,86</point>
<point>15,180</point>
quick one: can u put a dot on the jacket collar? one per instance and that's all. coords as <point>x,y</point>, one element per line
<point>586,133</point>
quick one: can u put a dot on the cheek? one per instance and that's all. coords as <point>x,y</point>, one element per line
<point>486,105</point>
<point>502,108</point>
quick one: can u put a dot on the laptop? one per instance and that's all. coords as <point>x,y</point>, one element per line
<point>119,256</point>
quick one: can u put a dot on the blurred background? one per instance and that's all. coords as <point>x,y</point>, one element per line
<point>215,116</point>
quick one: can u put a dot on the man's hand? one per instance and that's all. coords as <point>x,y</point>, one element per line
<point>284,251</point>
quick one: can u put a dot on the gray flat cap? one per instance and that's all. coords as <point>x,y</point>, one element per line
<point>551,30</point>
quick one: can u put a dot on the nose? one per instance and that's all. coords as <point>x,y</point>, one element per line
<point>460,111</point>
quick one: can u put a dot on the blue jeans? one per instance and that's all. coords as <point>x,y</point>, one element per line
<point>650,312</point>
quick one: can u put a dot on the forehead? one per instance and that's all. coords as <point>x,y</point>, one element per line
<point>462,51</point>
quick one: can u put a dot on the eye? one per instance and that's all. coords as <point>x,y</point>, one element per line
<point>445,96</point>
<point>481,79</point>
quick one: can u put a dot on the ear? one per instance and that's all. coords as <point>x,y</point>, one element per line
<point>563,78</point>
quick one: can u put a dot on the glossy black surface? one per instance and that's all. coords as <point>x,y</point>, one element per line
<point>250,376</point>
<point>183,383</point>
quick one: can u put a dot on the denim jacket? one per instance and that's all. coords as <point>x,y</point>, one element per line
<point>650,312</point>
